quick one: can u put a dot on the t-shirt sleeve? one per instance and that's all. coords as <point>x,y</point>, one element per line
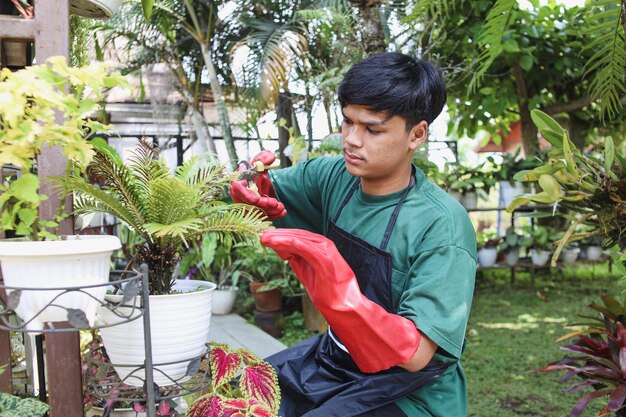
<point>300,189</point>
<point>439,295</point>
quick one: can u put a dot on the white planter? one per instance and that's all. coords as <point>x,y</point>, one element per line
<point>457,196</point>
<point>511,257</point>
<point>96,9</point>
<point>569,256</point>
<point>487,257</point>
<point>594,253</point>
<point>223,301</point>
<point>76,262</point>
<point>179,324</point>
<point>508,192</point>
<point>540,257</point>
<point>120,412</point>
<point>470,200</point>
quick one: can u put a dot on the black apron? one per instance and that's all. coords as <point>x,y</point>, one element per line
<point>317,377</point>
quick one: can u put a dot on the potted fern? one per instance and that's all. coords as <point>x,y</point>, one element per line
<point>30,100</point>
<point>168,211</point>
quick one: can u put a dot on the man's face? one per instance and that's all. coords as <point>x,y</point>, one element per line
<point>378,148</point>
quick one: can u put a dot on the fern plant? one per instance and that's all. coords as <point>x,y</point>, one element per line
<point>168,211</point>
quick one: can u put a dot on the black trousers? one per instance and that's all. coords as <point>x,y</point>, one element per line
<point>390,410</point>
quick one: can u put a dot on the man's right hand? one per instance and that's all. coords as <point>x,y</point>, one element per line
<point>265,198</point>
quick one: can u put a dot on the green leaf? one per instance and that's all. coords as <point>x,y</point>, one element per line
<point>511,46</point>
<point>147,6</point>
<point>25,188</point>
<point>526,62</point>
<point>609,154</point>
<point>549,128</point>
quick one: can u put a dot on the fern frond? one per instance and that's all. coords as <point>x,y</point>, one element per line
<point>90,198</point>
<point>606,65</point>
<point>172,233</point>
<point>119,181</point>
<point>490,39</point>
<point>240,222</point>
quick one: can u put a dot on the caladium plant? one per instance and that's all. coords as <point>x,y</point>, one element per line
<point>242,385</point>
<point>600,359</point>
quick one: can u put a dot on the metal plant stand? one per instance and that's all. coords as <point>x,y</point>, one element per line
<point>106,384</point>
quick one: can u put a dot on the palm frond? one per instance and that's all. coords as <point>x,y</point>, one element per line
<point>172,233</point>
<point>239,222</point>
<point>490,39</point>
<point>606,66</point>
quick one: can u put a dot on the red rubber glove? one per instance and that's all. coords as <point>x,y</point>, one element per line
<point>265,198</point>
<point>376,339</point>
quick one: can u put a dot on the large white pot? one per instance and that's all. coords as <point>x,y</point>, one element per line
<point>96,9</point>
<point>539,257</point>
<point>78,261</point>
<point>223,301</point>
<point>487,257</point>
<point>179,325</point>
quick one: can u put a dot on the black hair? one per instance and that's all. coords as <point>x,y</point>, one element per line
<point>395,84</point>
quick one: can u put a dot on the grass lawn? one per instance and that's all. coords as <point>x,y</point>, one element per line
<point>511,334</point>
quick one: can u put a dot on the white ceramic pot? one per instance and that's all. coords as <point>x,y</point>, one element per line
<point>457,196</point>
<point>95,9</point>
<point>539,257</point>
<point>511,257</point>
<point>470,200</point>
<point>223,301</point>
<point>487,257</point>
<point>77,261</point>
<point>594,253</point>
<point>508,192</point>
<point>569,256</point>
<point>179,324</point>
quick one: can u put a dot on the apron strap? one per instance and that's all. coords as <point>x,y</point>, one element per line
<point>345,200</point>
<point>396,211</point>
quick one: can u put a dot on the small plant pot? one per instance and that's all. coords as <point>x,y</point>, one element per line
<point>266,301</point>
<point>487,257</point>
<point>569,256</point>
<point>594,253</point>
<point>511,258</point>
<point>271,322</point>
<point>508,192</point>
<point>223,301</point>
<point>539,257</point>
<point>457,196</point>
<point>470,200</point>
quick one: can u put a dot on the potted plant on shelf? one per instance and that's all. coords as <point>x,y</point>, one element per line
<point>512,244</point>
<point>504,173</point>
<point>468,184</point>
<point>30,100</point>
<point>588,186</point>
<point>242,385</point>
<point>487,242</point>
<point>214,263</point>
<point>168,211</point>
<point>541,246</point>
<point>599,358</point>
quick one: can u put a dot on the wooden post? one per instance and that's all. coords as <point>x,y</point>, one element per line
<point>49,30</point>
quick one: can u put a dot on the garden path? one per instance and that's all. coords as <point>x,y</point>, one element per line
<point>238,333</point>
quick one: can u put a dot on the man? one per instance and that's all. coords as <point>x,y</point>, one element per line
<point>388,257</point>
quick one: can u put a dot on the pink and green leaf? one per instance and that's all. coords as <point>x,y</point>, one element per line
<point>224,366</point>
<point>259,381</point>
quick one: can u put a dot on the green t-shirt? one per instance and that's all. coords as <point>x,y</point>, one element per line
<point>433,250</point>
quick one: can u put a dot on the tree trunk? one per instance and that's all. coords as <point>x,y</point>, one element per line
<point>576,129</point>
<point>624,25</point>
<point>284,110</point>
<point>371,25</point>
<point>308,104</point>
<point>328,109</point>
<point>530,142</point>
<point>222,110</point>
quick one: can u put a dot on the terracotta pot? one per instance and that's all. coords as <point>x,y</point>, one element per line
<point>271,322</point>
<point>313,319</point>
<point>266,301</point>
